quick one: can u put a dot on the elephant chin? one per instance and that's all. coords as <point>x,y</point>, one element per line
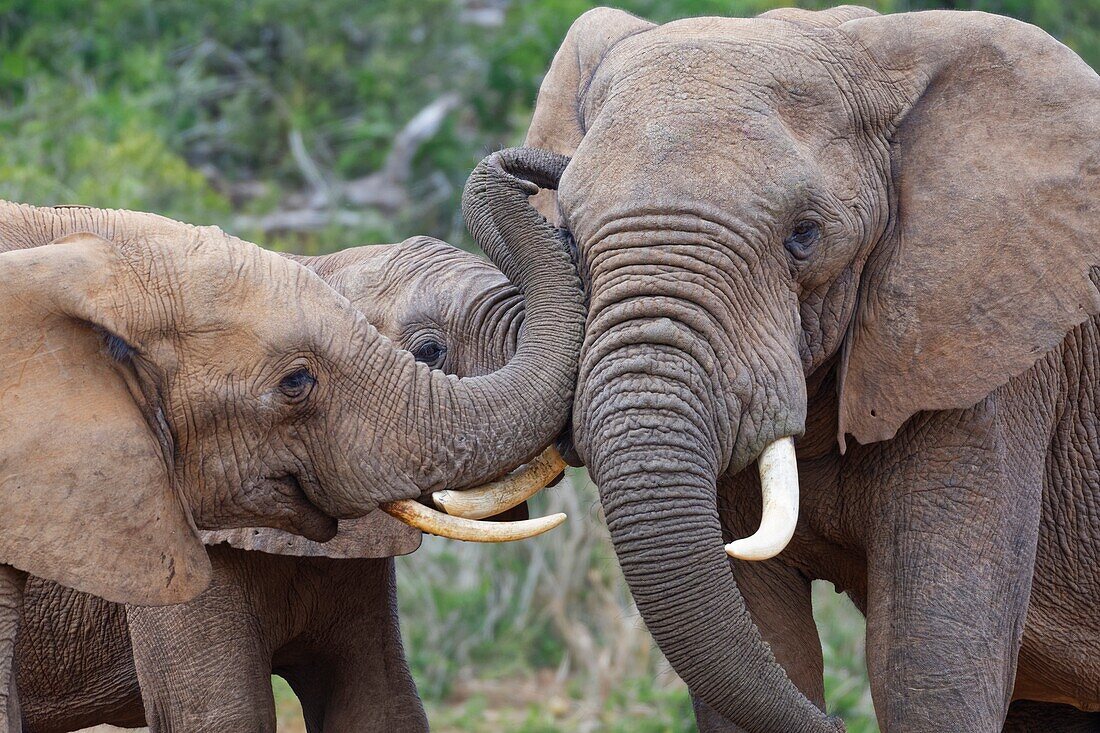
<point>295,512</point>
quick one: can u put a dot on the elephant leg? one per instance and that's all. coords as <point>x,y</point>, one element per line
<point>312,686</point>
<point>353,675</point>
<point>201,670</point>
<point>204,665</point>
<point>780,602</point>
<point>950,563</point>
<point>1025,716</point>
<point>12,582</point>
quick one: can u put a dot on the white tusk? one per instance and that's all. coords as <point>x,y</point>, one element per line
<point>498,496</point>
<point>426,519</point>
<point>779,487</point>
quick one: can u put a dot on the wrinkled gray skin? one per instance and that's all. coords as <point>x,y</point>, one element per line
<point>832,226</point>
<point>328,626</point>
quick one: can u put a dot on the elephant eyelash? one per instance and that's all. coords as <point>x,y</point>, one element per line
<point>800,242</point>
<point>430,352</point>
<point>117,347</point>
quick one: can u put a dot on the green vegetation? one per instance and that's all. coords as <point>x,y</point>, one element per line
<point>220,112</point>
<point>288,122</point>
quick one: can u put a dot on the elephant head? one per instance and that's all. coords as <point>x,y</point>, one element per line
<point>909,200</point>
<point>158,376</point>
<point>452,311</point>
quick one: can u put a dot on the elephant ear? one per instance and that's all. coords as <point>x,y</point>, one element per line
<point>375,535</point>
<point>557,123</point>
<point>86,496</point>
<point>829,18</point>
<point>996,179</point>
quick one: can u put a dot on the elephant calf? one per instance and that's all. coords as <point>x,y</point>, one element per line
<point>323,616</point>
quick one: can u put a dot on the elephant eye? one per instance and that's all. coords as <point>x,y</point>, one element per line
<point>802,238</point>
<point>430,352</point>
<point>297,385</point>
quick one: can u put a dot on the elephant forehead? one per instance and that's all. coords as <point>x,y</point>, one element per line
<point>245,298</point>
<point>420,278</point>
<point>727,67</point>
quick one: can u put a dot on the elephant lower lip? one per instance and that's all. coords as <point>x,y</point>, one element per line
<point>306,518</point>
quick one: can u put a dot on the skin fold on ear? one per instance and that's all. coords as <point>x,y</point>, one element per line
<point>996,179</point>
<point>86,498</point>
<point>375,535</point>
<point>556,123</point>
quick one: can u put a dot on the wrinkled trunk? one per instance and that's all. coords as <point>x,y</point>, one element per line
<point>656,470</point>
<point>466,431</point>
<point>680,383</point>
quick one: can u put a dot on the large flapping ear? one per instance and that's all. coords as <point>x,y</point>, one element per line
<point>556,124</point>
<point>375,535</point>
<point>996,176</point>
<point>86,497</point>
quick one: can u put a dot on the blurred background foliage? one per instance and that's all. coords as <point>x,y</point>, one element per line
<point>312,125</point>
<point>278,118</point>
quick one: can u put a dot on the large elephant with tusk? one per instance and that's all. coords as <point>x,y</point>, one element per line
<point>322,615</point>
<point>804,228</point>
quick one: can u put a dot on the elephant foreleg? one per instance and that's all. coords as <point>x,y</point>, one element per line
<point>12,582</point>
<point>779,600</point>
<point>1025,716</point>
<point>204,665</point>
<point>366,685</point>
<point>950,567</point>
<point>201,669</point>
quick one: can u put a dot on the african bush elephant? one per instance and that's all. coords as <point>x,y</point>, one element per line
<point>321,615</point>
<point>157,376</point>
<point>813,225</point>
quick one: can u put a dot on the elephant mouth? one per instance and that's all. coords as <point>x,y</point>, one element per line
<point>304,517</point>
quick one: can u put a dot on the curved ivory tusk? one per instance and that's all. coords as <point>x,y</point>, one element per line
<point>426,519</point>
<point>498,496</point>
<point>779,486</point>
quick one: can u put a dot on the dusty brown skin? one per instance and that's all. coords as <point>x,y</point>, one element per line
<point>324,616</point>
<point>206,664</point>
<point>834,226</point>
<point>157,376</point>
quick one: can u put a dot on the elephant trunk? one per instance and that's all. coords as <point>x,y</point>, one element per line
<point>654,425</point>
<point>656,472</point>
<point>447,432</point>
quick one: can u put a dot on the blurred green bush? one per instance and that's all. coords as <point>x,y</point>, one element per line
<point>217,111</point>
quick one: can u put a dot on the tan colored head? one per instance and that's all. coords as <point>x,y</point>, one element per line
<point>155,376</point>
<point>450,309</point>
